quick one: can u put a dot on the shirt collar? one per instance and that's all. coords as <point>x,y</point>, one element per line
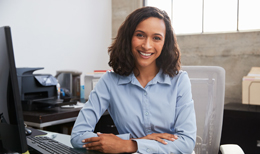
<point>125,79</point>
<point>159,78</point>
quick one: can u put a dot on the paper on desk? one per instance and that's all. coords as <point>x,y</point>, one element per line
<point>78,105</point>
<point>51,135</point>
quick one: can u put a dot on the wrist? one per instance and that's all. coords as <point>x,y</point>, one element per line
<point>131,146</point>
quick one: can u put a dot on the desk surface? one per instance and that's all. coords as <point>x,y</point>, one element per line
<point>51,114</point>
<point>242,119</point>
<point>49,117</point>
<point>233,106</point>
<point>65,139</point>
<point>62,138</point>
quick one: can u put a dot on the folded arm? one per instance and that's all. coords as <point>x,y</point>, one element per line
<point>184,126</point>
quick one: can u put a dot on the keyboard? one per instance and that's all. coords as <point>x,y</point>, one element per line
<point>47,145</point>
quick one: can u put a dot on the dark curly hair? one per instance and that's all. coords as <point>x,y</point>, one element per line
<point>121,58</point>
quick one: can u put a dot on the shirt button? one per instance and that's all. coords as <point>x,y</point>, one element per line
<point>148,150</point>
<point>146,113</point>
<point>145,93</point>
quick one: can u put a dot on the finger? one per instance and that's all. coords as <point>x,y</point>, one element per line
<point>98,148</point>
<point>100,134</point>
<point>91,144</point>
<point>173,137</point>
<point>170,137</point>
<point>161,140</point>
<point>105,135</point>
<point>166,136</point>
<point>92,139</point>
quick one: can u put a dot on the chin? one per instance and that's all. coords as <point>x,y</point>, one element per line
<point>143,64</point>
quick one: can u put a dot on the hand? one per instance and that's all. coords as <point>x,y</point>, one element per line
<point>160,136</point>
<point>110,143</point>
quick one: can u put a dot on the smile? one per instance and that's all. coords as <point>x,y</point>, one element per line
<point>145,54</point>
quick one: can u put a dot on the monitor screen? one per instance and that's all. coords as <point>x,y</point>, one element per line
<point>12,131</point>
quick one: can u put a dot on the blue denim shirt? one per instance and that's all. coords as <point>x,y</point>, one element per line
<point>165,105</point>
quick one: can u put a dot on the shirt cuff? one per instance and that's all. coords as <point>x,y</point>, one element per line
<point>146,146</point>
<point>124,136</point>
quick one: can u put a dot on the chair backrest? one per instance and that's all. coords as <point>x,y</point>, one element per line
<point>208,93</point>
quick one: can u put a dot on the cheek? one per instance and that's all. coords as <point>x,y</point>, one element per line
<point>135,42</point>
<point>133,46</point>
<point>159,47</point>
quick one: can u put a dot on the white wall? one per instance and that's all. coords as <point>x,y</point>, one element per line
<point>59,34</point>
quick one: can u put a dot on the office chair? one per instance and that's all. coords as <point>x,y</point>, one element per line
<point>208,93</point>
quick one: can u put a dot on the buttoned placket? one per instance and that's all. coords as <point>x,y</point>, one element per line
<point>146,112</point>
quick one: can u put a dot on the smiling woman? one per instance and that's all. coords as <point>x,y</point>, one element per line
<point>147,43</point>
<point>147,95</point>
<point>136,26</point>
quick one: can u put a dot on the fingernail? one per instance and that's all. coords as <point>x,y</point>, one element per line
<point>172,139</point>
<point>165,142</point>
<point>83,140</point>
<point>175,136</point>
<point>87,148</point>
<point>84,146</point>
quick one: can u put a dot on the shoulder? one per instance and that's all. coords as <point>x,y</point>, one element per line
<point>181,77</point>
<point>181,82</point>
<point>106,80</point>
<point>111,76</point>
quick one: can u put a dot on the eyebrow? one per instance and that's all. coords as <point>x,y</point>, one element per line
<point>144,32</point>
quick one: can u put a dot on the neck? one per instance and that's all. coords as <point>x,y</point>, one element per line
<point>145,75</point>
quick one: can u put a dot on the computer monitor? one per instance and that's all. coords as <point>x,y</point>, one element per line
<point>12,130</point>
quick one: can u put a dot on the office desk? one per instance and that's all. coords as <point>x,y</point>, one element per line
<point>241,126</point>
<point>62,138</point>
<point>65,139</point>
<point>50,117</point>
<point>55,116</point>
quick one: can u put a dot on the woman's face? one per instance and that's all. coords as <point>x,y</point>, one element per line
<point>148,41</point>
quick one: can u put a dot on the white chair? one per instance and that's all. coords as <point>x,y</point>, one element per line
<point>208,92</point>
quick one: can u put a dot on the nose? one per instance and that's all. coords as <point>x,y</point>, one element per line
<point>147,44</point>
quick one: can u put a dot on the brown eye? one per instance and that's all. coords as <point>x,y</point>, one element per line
<point>139,35</point>
<point>157,38</point>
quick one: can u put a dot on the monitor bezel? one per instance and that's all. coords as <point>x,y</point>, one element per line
<point>15,91</point>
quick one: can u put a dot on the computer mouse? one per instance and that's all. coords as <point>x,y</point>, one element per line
<point>27,131</point>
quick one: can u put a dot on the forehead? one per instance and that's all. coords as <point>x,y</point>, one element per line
<point>153,25</point>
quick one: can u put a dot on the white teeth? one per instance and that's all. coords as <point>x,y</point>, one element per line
<point>149,54</point>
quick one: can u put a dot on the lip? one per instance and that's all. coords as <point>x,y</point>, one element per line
<point>144,56</point>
